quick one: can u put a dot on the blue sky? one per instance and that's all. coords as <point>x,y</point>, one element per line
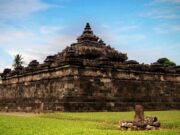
<point>144,29</point>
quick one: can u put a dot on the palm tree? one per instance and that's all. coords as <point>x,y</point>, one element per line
<point>18,61</point>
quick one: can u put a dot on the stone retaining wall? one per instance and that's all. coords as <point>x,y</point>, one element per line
<point>74,88</point>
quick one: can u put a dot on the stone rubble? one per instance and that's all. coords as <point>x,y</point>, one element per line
<point>149,123</point>
<point>139,122</point>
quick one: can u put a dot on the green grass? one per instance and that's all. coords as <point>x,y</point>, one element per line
<point>99,123</point>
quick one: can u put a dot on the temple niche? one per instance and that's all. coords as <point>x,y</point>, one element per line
<point>89,75</point>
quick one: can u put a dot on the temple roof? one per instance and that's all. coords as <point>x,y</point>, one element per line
<point>89,50</point>
<point>91,47</point>
<point>87,35</point>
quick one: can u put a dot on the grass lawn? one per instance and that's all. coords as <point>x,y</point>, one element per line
<point>98,123</point>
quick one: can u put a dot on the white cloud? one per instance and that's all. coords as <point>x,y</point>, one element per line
<point>49,30</point>
<point>4,65</point>
<point>127,28</point>
<point>164,2</point>
<point>137,45</point>
<point>33,45</point>
<point>144,55</point>
<point>162,10</point>
<point>134,37</point>
<point>19,8</point>
<point>123,34</point>
<point>176,27</point>
<point>167,1</point>
<point>1,66</point>
<point>167,28</point>
<point>164,13</point>
<point>160,30</point>
<point>148,53</point>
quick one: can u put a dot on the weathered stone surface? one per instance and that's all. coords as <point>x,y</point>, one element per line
<point>139,113</point>
<point>139,122</point>
<point>89,76</point>
<point>33,63</point>
<point>131,62</point>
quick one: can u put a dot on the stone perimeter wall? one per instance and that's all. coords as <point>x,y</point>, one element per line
<point>73,88</point>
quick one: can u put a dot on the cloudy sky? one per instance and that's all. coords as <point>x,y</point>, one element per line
<point>144,29</point>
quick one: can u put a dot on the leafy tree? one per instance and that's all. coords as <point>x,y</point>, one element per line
<point>166,62</point>
<point>18,61</point>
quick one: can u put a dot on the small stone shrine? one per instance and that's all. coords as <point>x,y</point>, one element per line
<point>89,75</point>
<point>139,122</point>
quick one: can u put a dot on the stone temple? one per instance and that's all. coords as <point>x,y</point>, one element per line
<point>89,76</point>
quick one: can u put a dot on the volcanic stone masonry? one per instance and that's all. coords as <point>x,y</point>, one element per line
<point>140,122</point>
<point>89,76</point>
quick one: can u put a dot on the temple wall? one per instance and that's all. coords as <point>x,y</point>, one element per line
<point>72,88</point>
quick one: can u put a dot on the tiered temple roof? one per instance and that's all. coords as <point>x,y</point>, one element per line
<point>89,50</point>
<point>89,46</point>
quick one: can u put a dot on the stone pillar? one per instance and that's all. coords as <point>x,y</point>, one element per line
<point>41,107</point>
<point>139,113</point>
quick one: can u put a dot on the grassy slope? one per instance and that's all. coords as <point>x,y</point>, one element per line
<point>103,123</point>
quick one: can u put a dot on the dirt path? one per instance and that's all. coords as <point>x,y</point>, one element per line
<point>23,114</point>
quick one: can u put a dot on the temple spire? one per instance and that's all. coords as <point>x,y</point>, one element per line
<point>87,34</point>
<point>87,29</point>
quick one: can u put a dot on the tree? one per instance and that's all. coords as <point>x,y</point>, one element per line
<point>18,61</point>
<point>166,62</point>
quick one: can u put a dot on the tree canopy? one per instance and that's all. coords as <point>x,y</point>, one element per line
<point>166,62</point>
<point>18,61</point>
